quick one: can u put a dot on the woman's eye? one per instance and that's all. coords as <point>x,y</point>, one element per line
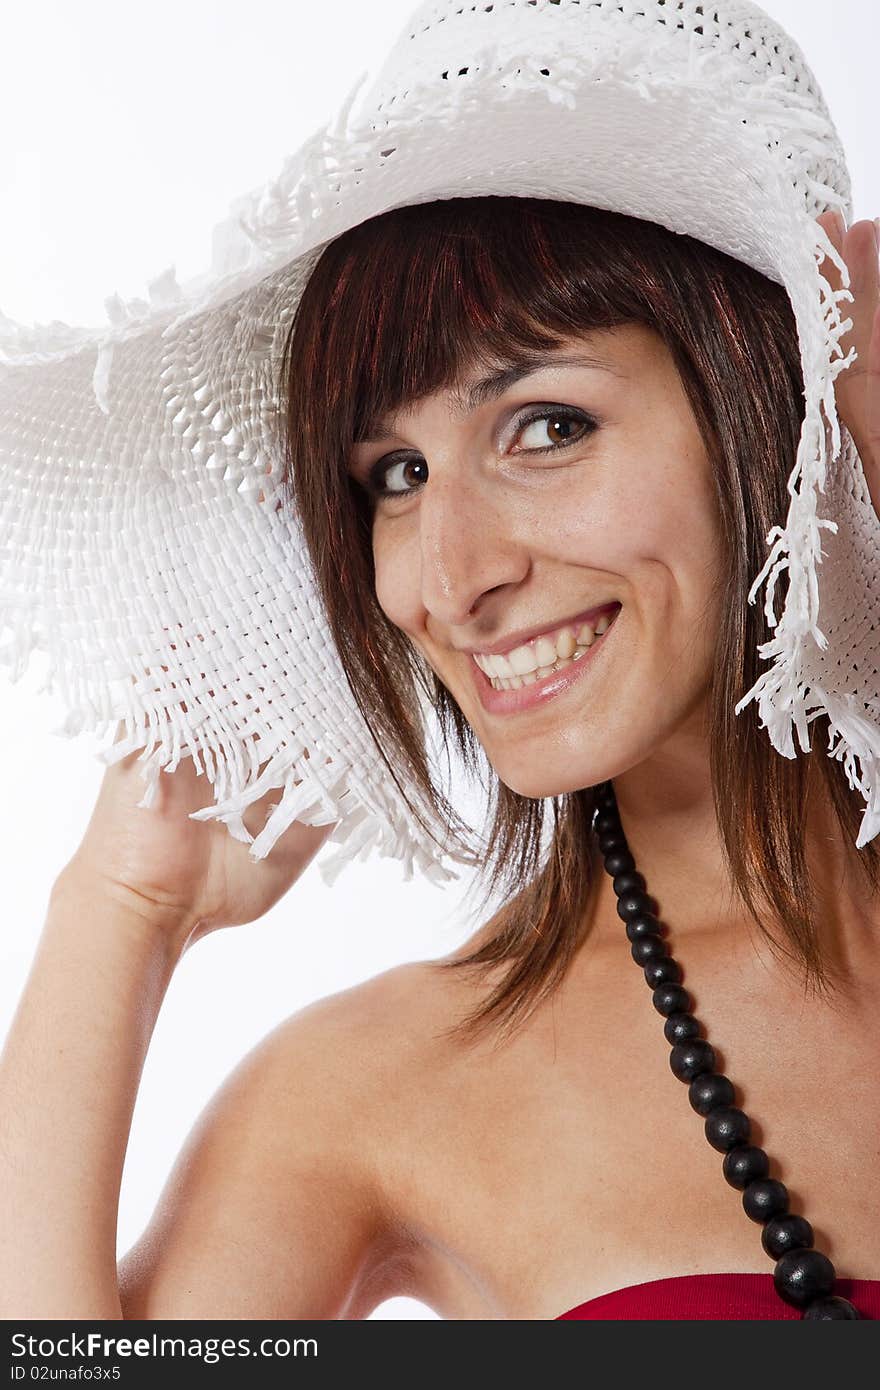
<point>388,477</point>
<point>561,425</point>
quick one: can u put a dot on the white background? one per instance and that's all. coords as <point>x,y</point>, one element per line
<point>125,131</point>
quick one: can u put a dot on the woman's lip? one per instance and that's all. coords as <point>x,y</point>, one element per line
<point>589,615</point>
<point>528,696</point>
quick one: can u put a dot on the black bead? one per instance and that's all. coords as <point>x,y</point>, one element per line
<point>765,1198</point>
<point>613,842</point>
<point>834,1309</point>
<point>707,1093</point>
<point>663,972</point>
<point>745,1164</point>
<point>691,1058</point>
<point>633,905</point>
<point>680,1027</point>
<point>645,925</point>
<point>627,882</point>
<point>646,948</point>
<point>619,864</point>
<point>605,822</point>
<point>727,1126</point>
<point>784,1233</point>
<point>802,1275</point>
<point>671,999</point>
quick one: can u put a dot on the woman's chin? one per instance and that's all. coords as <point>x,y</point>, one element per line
<point>539,785</point>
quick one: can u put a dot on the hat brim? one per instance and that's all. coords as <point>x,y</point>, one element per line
<point>139,470</point>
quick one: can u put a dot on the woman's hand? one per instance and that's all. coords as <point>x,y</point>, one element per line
<point>857,390</point>
<point>191,876</point>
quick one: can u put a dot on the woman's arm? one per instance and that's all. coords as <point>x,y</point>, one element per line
<point>69,1074</point>
<point>275,1206</point>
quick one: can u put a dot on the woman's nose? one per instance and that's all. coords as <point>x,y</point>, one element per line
<point>467,548</point>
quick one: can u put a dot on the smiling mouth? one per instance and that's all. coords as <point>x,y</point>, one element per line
<point>538,660</point>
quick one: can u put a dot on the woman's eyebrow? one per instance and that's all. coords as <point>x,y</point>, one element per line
<point>488,388</point>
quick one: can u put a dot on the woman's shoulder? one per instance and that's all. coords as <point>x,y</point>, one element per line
<point>355,1079</point>
<point>399,1017</point>
<point>295,1165</point>
<point>376,1054</point>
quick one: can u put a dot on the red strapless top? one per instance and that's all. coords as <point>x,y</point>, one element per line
<point>710,1296</point>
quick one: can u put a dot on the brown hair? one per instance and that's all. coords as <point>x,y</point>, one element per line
<point>397,308</point>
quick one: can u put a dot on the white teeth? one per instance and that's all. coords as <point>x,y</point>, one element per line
<point>514,682</point>
<point>542,657</point>
<point>522,660</point>
<point>543,653</point>
<point>527,658</point>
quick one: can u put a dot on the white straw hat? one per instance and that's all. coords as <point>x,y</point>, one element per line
<point>140,517</point>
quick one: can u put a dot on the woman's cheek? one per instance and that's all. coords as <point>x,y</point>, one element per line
<point>396,580</point>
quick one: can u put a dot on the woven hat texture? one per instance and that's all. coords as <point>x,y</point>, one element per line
<point>141,523</point>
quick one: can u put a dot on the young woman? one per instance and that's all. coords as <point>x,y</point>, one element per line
<point>536,448</point>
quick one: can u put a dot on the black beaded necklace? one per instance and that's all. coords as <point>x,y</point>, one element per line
<point>803,1277</point>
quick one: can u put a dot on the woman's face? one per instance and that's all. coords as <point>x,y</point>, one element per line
<point>501,527</point>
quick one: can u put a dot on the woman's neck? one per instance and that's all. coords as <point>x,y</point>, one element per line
<point>668,815</point>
